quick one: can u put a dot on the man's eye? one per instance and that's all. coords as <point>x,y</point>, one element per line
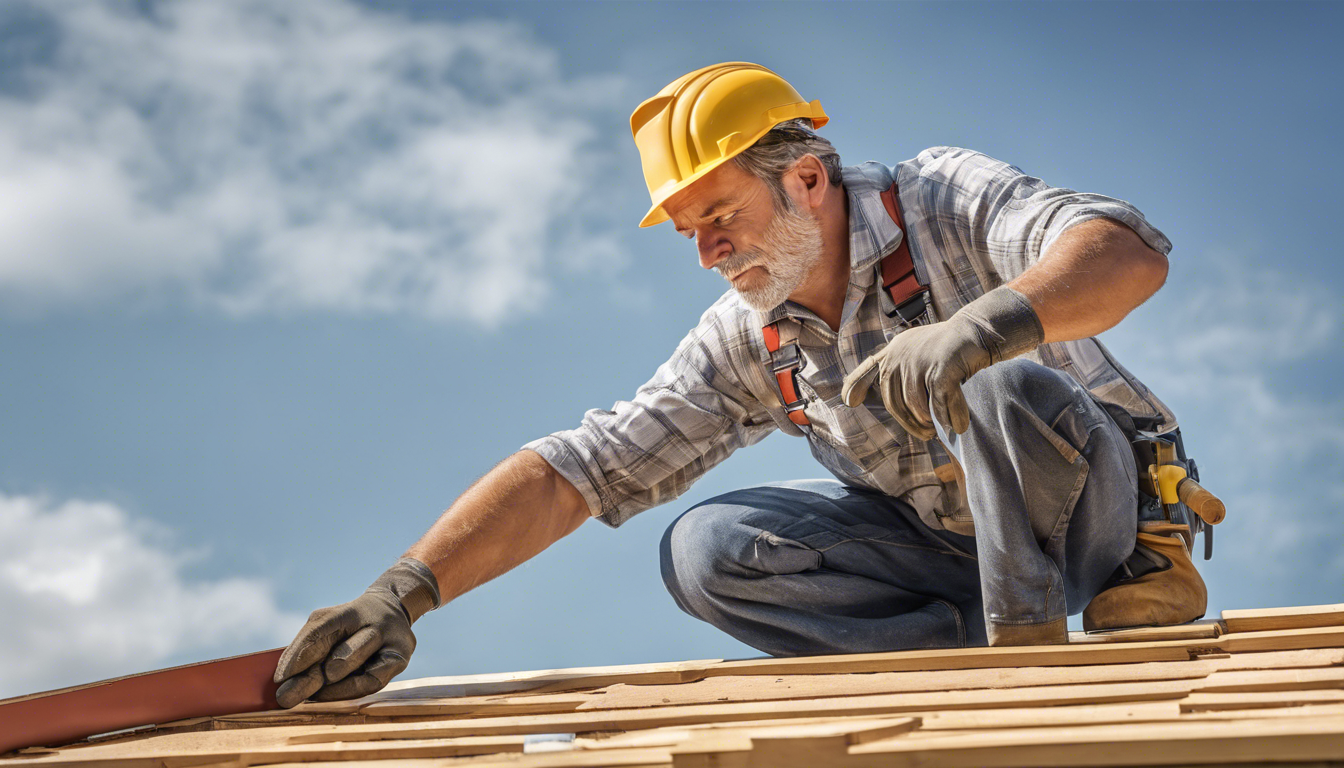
<point>725,219</point>
<point>686,233</point>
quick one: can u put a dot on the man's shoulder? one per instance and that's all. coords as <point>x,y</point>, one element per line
<point>950,165</point>
<point>933,165</point>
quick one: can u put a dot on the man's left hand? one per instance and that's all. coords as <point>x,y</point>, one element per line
<point>920,372</point>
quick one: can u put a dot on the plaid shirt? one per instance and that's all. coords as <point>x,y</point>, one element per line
<point>974,223</point>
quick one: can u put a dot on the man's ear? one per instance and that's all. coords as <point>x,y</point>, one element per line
<point>806,182</point>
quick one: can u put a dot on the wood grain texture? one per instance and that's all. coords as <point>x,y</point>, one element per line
<point>1082,714</point>
<point>1231,681</point>
<point>960,658</point>
<point>286,753</point>
<point>767,688</point>
<point>1246,741</point>
<point>1193,631</point>
<point>1279,640</point>
<point>1199,701</point>
<point>1268,619</point>
<point>625,719</point>
<point>774,688</point>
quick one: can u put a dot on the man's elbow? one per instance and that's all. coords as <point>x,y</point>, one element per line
<point>1150,270</point>
<point>1145,270</point>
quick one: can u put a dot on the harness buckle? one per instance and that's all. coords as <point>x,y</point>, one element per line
<point>912,308</point>
<point>789,357</point>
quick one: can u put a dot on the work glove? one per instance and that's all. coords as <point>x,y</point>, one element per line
<point>370,635</point>
<point>923,367</point>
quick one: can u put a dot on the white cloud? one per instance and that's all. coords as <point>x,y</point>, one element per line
<point>1234,349</point>
<point>88,592</point>
<point>262,157</point>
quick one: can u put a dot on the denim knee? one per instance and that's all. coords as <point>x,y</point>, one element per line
<point>1018,381</point>
<point>713,549</point>
<point>690,556</point>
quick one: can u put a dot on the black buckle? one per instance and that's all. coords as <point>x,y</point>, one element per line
<point>786,358</point>
<point>910,309</point>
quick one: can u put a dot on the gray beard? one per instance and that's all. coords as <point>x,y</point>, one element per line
<point>790,250</point>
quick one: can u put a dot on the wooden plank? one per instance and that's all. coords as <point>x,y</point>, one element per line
<point>960,658</point>
<point>1202,742</point>
<point>762,688</point>
<point>1278,640</point>
<point>1198,702</point>
<point>758,688</point>
<point>625,719</point>
<point>815,745</point>
<point>1195,630</point>
<point>169,744</point>
<point>484,706</point>
<point>1304,710</point>
<point>975,719</point>
<point>334,752</point>
<point>1311,657</point>
<point>502,683</point>
<point>1273,680</point>
<point>676,734</point>
<point>613,758</point>
<point>1035,656</point>
<point>1263,619</point>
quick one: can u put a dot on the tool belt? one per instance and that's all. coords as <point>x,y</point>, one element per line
<point>1168,478</point>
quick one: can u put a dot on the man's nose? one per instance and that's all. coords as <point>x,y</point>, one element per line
<point>713,248</point>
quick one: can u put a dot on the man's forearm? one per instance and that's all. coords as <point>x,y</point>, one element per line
<point>1091,277</point>
<point>515,511</point>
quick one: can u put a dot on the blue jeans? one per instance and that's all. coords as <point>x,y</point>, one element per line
<point>815,566</point>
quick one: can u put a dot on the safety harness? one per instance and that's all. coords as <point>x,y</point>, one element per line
<point>909,301</point>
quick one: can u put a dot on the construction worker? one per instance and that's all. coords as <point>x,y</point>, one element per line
<point>926,327</point>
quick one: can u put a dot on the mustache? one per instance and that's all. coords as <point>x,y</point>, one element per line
<point>739,262</point>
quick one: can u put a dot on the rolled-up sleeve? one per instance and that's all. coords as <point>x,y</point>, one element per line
<point>648,450</point>
<point>1007,218</point>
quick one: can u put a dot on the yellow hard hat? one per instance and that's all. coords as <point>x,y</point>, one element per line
<point>702,119</point>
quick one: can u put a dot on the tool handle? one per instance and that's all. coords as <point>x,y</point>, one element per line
<point>1205,504</point>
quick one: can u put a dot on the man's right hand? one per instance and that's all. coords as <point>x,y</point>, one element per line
<point>370,635</point>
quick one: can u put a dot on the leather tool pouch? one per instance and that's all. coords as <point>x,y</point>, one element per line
<point>1145,441</point>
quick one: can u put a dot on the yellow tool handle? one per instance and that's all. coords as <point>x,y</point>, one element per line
<point>1205,504</point>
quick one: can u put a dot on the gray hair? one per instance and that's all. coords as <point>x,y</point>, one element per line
<point>780,149</point>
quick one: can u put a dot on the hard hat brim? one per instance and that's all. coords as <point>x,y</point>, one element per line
<point>657,215</point>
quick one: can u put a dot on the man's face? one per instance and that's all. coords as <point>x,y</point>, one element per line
<point>764,251</point>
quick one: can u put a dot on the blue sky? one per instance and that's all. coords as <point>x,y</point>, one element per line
<point>277,281</point>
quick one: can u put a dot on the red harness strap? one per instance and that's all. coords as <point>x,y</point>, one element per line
<point>786,374</point>
<point>898,280</point>
<point>898,269</point>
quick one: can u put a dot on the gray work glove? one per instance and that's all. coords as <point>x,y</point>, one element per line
<point>925,366</point>
<point>370,635</point>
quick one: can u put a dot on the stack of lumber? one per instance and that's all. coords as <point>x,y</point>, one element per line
<point>1256,686</point>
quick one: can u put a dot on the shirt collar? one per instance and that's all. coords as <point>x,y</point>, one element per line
<point>872,233</point>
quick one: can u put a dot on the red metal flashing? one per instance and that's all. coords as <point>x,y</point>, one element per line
<point>220,687</point>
